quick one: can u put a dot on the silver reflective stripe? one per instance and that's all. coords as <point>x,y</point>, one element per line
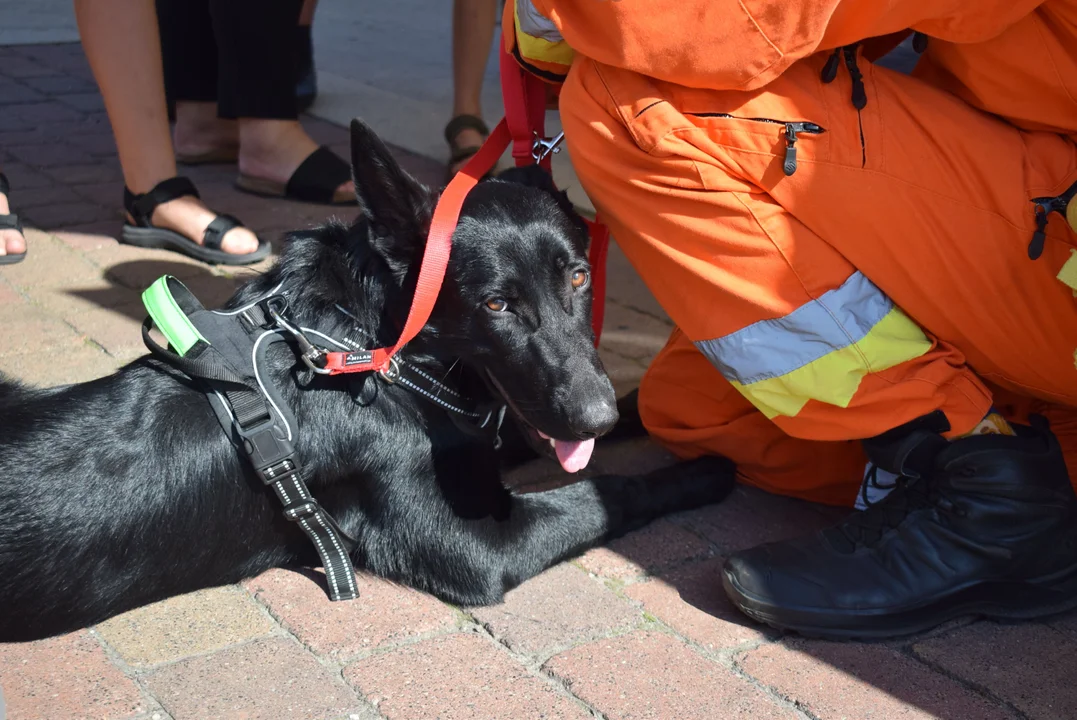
<point>535,24</point>
<point>772,348</point>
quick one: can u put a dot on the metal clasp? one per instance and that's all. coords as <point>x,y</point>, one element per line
<point>391,373</point>
<point>541,147</point>
<point>312,357</point>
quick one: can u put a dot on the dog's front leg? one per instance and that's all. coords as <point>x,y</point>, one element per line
<point>473,560</point>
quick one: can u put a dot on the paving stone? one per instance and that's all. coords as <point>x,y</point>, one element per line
<point>30,330</point>
<point>56,154</point>
<point>1030,666</point>
<point>625,286</point>
<point>532,619</point>
<point>652,675</point>
<point>84,102</point>
<point>61,215</point>
<point>630,457</point>
<point>263,680</point>
<point>853,680</point>
<point>1066,623</point>
<point>106,194</point>
<point>633,334</point>
<point>749,517</point>
<point>90,236</point>
<point>43,112</point>
<point>103,171</point>
<point>385,613</point>
<point>68,300</point>
<point>50,263</point>
<point>62,84</point>
<point>23,177</point>
<point>22,67</point>
<point>17,92</point>
<point>624,373</point>
<point>692,602</point>
<point>45,196</point>
<point>78,363</point>
<point>191,624</point>
<point>116,329</point>
<point>651,549</point>
<point>137,268</point>
<point>65,677</point>
<point>457,677</point>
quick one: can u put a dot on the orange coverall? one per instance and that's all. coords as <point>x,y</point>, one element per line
<point>843,248</point>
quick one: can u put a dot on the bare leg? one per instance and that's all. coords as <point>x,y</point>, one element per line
<point>122,44</point>
<point>472,32</point>
<point>11,241</point>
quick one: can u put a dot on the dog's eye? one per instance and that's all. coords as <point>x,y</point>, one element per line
<point>497,305</point>
<point>580,278</point>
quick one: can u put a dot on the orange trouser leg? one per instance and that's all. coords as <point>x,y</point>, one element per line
<point>688,407</point>
<point>861,291</point>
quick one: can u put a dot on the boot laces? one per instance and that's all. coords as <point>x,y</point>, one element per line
<point>907,495</point>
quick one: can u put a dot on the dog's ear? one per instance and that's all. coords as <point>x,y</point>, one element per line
<point>398,205</point>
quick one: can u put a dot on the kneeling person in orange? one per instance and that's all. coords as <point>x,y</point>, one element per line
<point>858,262</point>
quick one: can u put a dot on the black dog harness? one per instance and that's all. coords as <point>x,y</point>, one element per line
<point>224,351</point>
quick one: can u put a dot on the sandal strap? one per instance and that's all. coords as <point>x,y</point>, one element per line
<point>5,186</point>
<point>141,207</point>
<point>318,177</point>
<point>10,222</point>
<point>464,122</point>
<point>216,230</point>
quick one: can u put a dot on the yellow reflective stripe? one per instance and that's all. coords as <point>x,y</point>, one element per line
<point>835,377</point>
<point>537,48</point>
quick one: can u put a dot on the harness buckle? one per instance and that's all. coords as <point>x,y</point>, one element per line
<point>301,510</point>
<point>541,147</point>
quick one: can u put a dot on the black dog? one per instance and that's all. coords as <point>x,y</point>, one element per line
<point>124,490</point>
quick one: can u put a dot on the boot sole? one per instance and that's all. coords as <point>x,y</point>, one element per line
<point>1025,600</point>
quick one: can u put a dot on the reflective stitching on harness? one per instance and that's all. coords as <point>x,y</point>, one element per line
<point>321,547</point>
<point>449,390</point>
<point>434,399</point>
<point>336,544</point>
<point>258,377</point>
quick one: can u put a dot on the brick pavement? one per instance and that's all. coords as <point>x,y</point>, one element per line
<point>638,629</point>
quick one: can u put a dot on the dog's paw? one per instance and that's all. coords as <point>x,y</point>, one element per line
<point>705,480</point>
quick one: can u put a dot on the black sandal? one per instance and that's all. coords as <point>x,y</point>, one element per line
<point>10,222</point>
<point>144,234</point>
<point>315,180</point>
<point>458,153</point>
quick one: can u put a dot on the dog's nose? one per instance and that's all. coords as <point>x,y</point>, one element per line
<point>595,419</point>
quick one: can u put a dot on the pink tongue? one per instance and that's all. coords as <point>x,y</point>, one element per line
<point>573,456</point>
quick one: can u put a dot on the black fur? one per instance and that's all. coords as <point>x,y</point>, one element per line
<point>124,490</point>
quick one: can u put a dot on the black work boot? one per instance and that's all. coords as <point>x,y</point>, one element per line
<point>982,526</point>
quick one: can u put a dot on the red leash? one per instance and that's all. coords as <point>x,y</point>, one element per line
<point>435,259</point>
<point>524,123</point>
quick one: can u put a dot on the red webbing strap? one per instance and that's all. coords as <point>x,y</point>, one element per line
<point>524,96</point>
<point>600,242</point>
<point>435,258</point>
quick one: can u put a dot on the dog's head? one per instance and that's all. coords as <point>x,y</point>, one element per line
<point>516,302</point>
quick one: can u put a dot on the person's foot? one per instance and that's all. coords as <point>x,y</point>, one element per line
<point>273,149</point>
<point>465,134</point>
<point>984,526</point>
<point>12,241</point>
<point>190,217</point>
<point>199,133</point>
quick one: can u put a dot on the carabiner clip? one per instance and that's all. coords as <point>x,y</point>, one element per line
<point>311,356</point>
<point>541,147</point>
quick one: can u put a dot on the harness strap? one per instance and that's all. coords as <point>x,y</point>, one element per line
<point>263,427</point>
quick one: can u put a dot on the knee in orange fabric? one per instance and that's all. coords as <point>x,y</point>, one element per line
<point>689,408</point>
